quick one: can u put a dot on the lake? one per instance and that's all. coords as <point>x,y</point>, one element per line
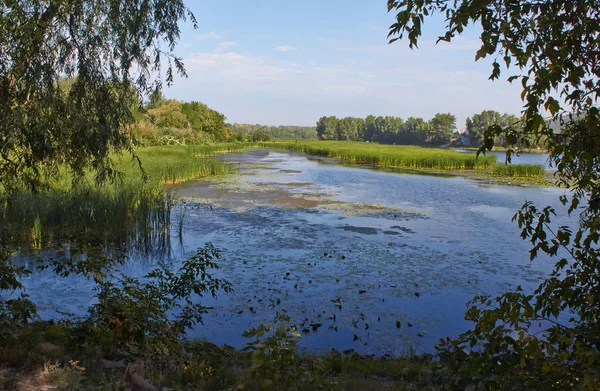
<point>378,262</point>
<point>542,159</point>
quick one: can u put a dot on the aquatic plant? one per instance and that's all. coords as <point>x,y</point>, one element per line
<point>133,212</point>
<point>518,170</point>
<point>402,156</point>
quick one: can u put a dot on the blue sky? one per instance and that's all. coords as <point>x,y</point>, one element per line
<point>284,62</point>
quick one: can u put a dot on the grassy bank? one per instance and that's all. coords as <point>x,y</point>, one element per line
<point>400,156</point>
<point>502,149</point>
<point>51,356</point>
<point>424,160</point>
<point>132,212</point>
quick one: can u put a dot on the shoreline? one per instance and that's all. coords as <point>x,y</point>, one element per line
<point>479,174</point>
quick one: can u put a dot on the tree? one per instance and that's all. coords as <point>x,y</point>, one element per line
<point>349,128</point>
<point>168,115</point>
<point>327,128</point>
<point>479,123</point>
<point>107,48</point>
<point>552,47</point>
<point>204,119</point>
<point>442,126</point>
<point>370,129</point>
<point>415,129</point>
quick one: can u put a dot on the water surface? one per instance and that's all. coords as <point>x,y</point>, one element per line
<point>361,259</point>
<point>542,159</point>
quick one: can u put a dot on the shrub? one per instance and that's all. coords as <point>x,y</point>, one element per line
<point>158,308</point>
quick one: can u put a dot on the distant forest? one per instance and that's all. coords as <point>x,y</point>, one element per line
<point>280,132</point>
<point>439,130</point>
<point>163,121</point>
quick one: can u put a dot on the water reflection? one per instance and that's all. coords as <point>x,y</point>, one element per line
<point>379,261</point>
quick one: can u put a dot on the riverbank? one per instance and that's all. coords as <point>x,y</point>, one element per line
<point>48,356</point>
<point>404,271</point>
<point>134,210</point>
<point>137,205</point>
<point>501,149</point>
<point>419,160</point>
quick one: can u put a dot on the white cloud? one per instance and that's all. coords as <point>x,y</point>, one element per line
<point>223,46</point>
<point>285,48</point>
<point>255,88</point>
<point>207,36</point>
<point>254,73</point>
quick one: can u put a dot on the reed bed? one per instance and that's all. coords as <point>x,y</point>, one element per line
<point>214,149</point>
<point>131,213</point>
<point>518,170</point>
<point>401,156</point>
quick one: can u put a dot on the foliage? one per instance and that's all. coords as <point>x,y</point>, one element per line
<point>14,311</point>
<point>411,157</point>
<point>547,339</point>
<point>276,132</point>
<point>133,212</point>
<point>159,306</point>
<point>108,49</point>
<point>443,126</point>
<point>204,119</point>
<point>275,360</point>
<point>479,123</point>
<point>388,130</point>
<point>327,128</point>
<point>518,170</point>
<point>171,122</point>
<point>257,135</point>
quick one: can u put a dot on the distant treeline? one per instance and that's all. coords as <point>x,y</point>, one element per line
<point>166,121</point>
<point>439,130</point>
<point>280,132</point>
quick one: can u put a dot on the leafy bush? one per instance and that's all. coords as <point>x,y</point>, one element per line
<point>259,136</point>
<point>159,307</point>
<point>275,360</point>
<point>14,311</point>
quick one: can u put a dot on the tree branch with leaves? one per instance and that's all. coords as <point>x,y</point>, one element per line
<point>552,47</point>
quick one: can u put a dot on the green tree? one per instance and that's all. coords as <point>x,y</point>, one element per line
<point>552,47</point>
<point>108,47</point>
<point>441,129</point>
<point>478,124</point>
<point>370,129</point>
<point>349,128</point>
<point>379,128</point>
<point>156,99</point>
<point>204,119</point>
<point>327,128</point>
<point>168,115</point>
<point>415,129</point>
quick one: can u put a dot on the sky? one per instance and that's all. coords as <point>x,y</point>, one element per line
<point>284,62</point>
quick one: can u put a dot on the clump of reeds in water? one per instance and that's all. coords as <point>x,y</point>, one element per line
<point>518,170</point>
<point>402,156</point>
<point>130,213</point>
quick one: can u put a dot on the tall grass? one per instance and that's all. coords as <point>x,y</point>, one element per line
<point>518,170</point>
<point>402,156</point>
<point>132,212</point>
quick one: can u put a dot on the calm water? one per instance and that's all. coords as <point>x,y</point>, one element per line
<point>345,251</point>
<point>524,158</point>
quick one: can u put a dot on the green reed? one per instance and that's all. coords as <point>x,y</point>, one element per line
<point>130,212</point>
<point>518,170</point>
<point>402,156</point>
